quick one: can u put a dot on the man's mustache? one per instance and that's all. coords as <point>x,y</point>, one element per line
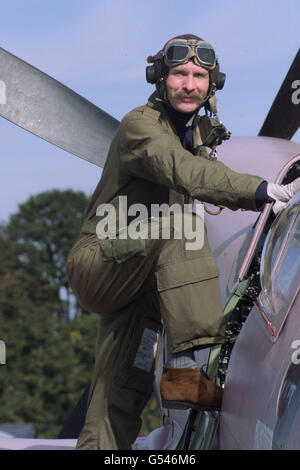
<point>181,94</point>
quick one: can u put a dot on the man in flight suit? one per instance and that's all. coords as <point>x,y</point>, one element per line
<point>158,156</point>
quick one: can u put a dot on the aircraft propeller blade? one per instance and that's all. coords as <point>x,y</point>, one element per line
<point>47,108</point>
<point>283,119</point>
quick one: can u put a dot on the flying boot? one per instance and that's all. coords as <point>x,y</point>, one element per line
<point>188,386</point>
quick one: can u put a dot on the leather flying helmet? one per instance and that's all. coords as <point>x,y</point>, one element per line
<point>180,50</point>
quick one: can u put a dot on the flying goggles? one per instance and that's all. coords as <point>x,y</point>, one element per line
<point>181,51</point>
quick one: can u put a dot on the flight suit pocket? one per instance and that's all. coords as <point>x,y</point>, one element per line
<point>120,250</point>
<point>186,272</point>
<point>135,372</point>
<point>190,303</point>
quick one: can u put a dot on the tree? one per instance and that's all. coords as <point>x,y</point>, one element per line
<point>49,346</point>
<point>39,238</point>
<point>49,337</point>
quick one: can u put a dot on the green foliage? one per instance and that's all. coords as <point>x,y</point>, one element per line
<point>48,364</point>
<point>38,239</point>
<point>50,339</point>
<point>151,418</point>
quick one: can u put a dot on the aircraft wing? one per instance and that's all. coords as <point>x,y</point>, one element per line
<point>47,108</point>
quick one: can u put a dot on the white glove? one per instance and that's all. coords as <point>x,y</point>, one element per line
<point>282,193</point>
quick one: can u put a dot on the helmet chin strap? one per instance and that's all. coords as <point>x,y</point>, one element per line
<point>213,105</point>
<point>210,103</point>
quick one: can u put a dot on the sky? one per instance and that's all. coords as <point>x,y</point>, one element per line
<point>99,48</point>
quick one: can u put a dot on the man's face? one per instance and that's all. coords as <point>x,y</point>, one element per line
<point>187,86</point>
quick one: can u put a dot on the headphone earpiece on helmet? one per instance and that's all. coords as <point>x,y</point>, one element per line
<point>151,75</point>
<point>217,77</point>
<point>157,71</point>
<point>221,80</point>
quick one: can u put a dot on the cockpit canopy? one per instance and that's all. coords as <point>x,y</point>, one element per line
<point>280,264</point>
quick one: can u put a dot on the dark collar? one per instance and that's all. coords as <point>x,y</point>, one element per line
<point>183,119</point>
<point>179,119</point>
